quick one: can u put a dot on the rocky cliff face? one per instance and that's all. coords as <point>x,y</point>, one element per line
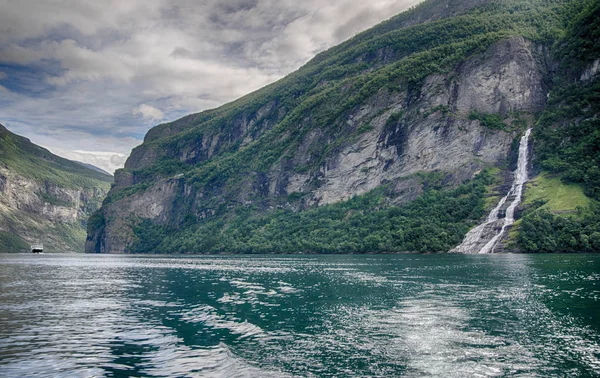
<point>36,205</point>
<point>46,212</point>
<point>435,133</point>
<point>426,128</point>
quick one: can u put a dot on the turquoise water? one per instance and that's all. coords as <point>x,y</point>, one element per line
<point>310,316</point>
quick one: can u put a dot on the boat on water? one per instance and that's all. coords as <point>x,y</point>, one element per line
<point>37,248</point>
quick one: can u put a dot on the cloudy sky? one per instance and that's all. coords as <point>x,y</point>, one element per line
<point>87,79</point>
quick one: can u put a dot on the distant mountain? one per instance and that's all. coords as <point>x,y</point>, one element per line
<point>107,161</point>
<point>93,167</point>
<point>399,139</point>
<point>44,197</point>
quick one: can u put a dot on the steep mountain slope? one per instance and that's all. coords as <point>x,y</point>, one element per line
<point>407,116</point>
<point>44,197</point>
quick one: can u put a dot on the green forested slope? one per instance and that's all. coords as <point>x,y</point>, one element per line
<point>361,225</point>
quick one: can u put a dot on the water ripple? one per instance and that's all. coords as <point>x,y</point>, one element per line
<point>309,316</point>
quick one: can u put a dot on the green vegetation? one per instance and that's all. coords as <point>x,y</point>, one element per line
<point>52,200</point>
<point>149,236</point>
<point>580,46</point>
<point>558,217</point>
<point>512,122</point>
<point>493,195</point>
<point>435,222</point>
<point>567,137</point>
<point>542,231</point>
<point>72,235</point>
<point>491,121</point>
<point>555,195</point>
<point>12,242</point>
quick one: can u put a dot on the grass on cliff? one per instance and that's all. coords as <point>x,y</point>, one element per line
<point>547,192</point>
<point>557,196</point>
<point>558,217</point>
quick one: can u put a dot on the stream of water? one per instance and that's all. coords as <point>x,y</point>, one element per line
<point>484,238</point>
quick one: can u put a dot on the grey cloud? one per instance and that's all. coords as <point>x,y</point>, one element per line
<point>361,19</point>
<point>148,112</point>
<point>181,52</point>
<point>96,61</point>
<point>28,19</point>
<point>107,161</point>
<point>81,63</point>
<point>14,54</point>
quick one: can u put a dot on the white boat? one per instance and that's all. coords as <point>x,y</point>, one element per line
<point>37,248</point>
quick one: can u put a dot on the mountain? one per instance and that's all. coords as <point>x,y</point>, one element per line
<point>400,139</point>
<point>93,168</point>
<point>44,197</point>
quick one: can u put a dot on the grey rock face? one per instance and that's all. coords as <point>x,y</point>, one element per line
<point>591,71</point>
<point>506,78</point>
<point>35,211</point>
<point>203,147</point>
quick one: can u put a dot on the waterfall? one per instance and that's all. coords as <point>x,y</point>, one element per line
<point>483,238</point>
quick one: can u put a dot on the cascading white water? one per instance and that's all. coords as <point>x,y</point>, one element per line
<point>475,238</point>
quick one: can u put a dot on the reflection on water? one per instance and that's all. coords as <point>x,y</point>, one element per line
<point>414,316</point>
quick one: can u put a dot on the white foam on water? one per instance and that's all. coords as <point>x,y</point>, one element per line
<point>210,317</point>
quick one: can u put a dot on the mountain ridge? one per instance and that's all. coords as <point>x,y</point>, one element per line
<point>93,167</point>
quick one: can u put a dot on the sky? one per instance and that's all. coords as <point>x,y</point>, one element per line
<point>88,79</point>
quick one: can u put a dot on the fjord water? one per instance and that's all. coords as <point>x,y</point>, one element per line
<point>240,316</point>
